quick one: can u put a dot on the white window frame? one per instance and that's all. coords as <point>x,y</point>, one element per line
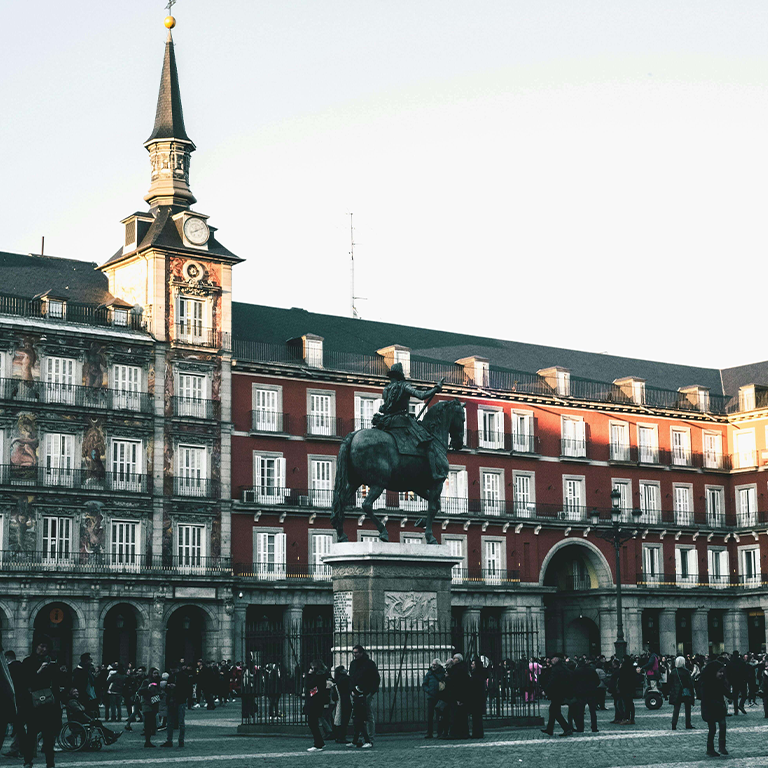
<point>125,545</point>
<point>653,565</point>
<point>409,501</point>
<point>123,478</point>
<point>648,453</point>
<point>573,432</point>
<point>457,571</point>
<point>191,326</point>
<point>263,417</point>
<point>366,405</point>
<point>320,571</point>
<point>126,384</point>
<point>494,570</point>
<point>718,567</point>
<point>680,441</point>
<point>624,487</point>
<point>321,488</point>
<point>572,511</point>
<point>619,451</point>
<point>413,538</point>
<point>192,480</point>
<point>193,393</point>
<point>61,377</point>
<point>713,455</point>
<point>266,492</point>
<point>313,350</point>
<point>682,499</point>
<point>319,422</point>
<point>755,579</point>
<point>370,536</point>
<point>57,546</point>
<point>60,460</point>
<point>716,516</point>
<point>269,565</point>
<point>362,492</point>
<point>120,317</point>
<point>744,457</point>
<point>650,515</point>
<point>686,565</point>
<point>524,493</point>
<point>490,428</point>
<point>455,493</point>
<point>491,499</point>
<point>746,504</point>
<point>522,439</point>
<point>191,546</point>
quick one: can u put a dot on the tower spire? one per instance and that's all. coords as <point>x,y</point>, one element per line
<point>169,146</point>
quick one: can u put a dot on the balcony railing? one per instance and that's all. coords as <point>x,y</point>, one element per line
<point>622,452</point>
<point>569,583</point>
<point>73,312</point>
<point>81,479</point>
<point>196,408</point>
<point>320,425</point>
<point>573,449</point>
<point>110,563</point>
<point>198,487</point>
<point>524,443</point>
<point>683,517</point>
<point>719,581</point>
<point>747,519</point>
<point>490,576</point>
<point>744,460</point>
<point>750,582</point>
<point>277,571</point>
<point>270,421</point>
<point>22,391</point>
<point>194,335</point>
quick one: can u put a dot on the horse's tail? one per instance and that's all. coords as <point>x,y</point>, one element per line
<point>341,489</point>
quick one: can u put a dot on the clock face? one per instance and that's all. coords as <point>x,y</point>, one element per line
<point>196,231</point>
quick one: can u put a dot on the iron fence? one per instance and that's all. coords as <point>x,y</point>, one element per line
<point>278,660</point>
<point>51,393</point>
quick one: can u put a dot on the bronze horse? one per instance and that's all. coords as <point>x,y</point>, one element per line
<point>370,457</point>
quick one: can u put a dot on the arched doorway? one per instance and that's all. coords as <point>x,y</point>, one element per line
<point>576,569</point>
<point>185,635</point>
<point>120,634</point>
<point>58,621</point>
<point>582,637</point>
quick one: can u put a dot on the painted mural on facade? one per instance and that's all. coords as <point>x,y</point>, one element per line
<point>26,362</point>
<point>95,368</point>
<point>92,529</point>
<point>94,452</point>
<point>24,444</point>
<point>22,535</point>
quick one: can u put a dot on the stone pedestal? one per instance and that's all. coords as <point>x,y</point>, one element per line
<point>382,585</point>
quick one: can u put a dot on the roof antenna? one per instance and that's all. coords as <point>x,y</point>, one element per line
<point>355,313</point>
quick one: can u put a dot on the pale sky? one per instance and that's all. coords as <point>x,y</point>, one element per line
<point>580,173</point>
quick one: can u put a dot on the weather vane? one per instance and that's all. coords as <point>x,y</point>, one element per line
<point>170,22</point>
<point>170,5</point>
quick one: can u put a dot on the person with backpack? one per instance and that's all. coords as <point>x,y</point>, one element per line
<point>681,692</point>
<point>149,693</point>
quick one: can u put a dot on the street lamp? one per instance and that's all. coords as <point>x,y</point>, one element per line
<point>618,536</point>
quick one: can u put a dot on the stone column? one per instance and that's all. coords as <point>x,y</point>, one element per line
<point>735,630</point>
<point>157,632</point>
<point>238,631</point>
<point>23,627</point>
<point>633,629</point>
<point>292,624</point>
<point>470,625</point>
<point>607,617</point>
<point>700,631</point>
<point>667,631</point>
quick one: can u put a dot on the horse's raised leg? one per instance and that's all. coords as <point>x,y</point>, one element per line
<point>433,507</point>
<point>373,493</point>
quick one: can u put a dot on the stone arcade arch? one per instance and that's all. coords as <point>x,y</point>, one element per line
<point>579,573</point>
<point>188,635</point>
<point>62,622</point>
<point>123,627</point>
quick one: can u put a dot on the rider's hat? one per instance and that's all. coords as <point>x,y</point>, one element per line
<point>396,372</point>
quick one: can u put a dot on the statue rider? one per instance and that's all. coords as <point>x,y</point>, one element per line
<point>410,436</point>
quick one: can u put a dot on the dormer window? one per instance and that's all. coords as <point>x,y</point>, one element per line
<point>55,309</point>
<point>558,379</point>
<point>698,397</point>
<point>313,352</point>
<point>397,354</point>
<point>633,388</point>
<point>475,370</point>
<point>120,317</point>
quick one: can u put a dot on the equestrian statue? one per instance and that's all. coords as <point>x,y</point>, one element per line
<point>400,453</point>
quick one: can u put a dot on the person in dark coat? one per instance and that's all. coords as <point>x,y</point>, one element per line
<point>84,679</point>
<point>364,674</point>
<point>343,703</point>
<point>477,694</point>
<point>458,693</point>
<point>626,688</point>
<point>714,689</point>
<point>764,685</point>
<point>316,697</point>
<point>586,682</point>
<point>737,672</point>
<point>39,674</point>
<point>8,704</point>
<point>559,688</point>
<point>149,695</point>
<point>680,692</point>
<point>431,686</point>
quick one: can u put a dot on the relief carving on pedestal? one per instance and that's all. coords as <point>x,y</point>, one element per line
<point>410,607</point>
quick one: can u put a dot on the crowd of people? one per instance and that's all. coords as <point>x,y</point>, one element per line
<point>36,694</point>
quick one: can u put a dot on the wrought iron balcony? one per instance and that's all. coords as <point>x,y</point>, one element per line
<point>62,478</point>
<point>281,571</point>
<point>573,449</point>
<point>745,460</point>
<point>194,335</point>
<point>485,576</point>
<point>196,408</point>
<point>270,422</point>
<point>197,487</point>
<point>49,393</point>
<point>320,425</point>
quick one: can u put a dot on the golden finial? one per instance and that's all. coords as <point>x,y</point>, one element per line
<point>170,22</point>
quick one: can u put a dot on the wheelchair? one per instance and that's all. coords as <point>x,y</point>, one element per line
<point>74,737</point>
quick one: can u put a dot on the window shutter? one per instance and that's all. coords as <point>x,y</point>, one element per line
<point>693,563</point>
<point>678,561</point>
<point>280,551</point>
<point>280,476</point>
<point>261,549</point>
<point>257,472</point>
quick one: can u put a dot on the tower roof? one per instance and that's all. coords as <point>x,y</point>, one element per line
<point>169,118</point>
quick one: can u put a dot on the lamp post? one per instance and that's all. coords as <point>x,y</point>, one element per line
<point>618,536</point>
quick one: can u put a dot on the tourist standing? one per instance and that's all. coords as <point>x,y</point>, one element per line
<point>316,697</point>
<point>477,693</point>
<point>84,679</point>
<point>714,689</point>
<point>364,674</point>
<point>343,709</point>
<point>431,686</point>
<point>736,672</point>
<point>585,686</point>
<point>681,692</point>
<point>149,693</point>
<point>559,688</point>
<point>626,688</point>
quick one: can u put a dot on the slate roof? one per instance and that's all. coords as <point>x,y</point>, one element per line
<point>164,232</point>
<point>274,325</point>
<point>169,118</point>
<point>29,275</point>
<point>741,375</point>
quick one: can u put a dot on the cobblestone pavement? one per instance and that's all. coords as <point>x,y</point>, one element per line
<point>212,740</point>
